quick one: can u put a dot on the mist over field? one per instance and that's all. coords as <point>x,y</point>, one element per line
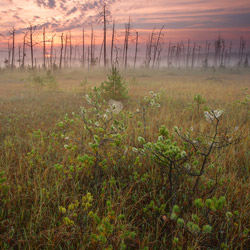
<point>124,125</point>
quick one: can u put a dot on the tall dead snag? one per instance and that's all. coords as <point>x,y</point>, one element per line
<point>7,62</point>
<point>104,36</point>
<point>205,61</point>
<point>70,49</point>
<point>19,56</point>
<point>157,46</point>
<point>83,48</point>
<point>126,43</point>
<point>193,56</point>
<point>112,43</point>
<point>100,56</point>
<point>223,54</point>
<point>218,45</point>
<point>136,49</point>
<point>149,49</point>
<point>241,50</point>
<point>104,16</point>
<point>31,44</point>
<point>92,47</point>
<point>188,53</point>
<point>24,50</point>
<point>61,52</point>
<point>51,51</point>
<point>88,58</point>
<point>44,48</point>
<point>229,54</point>
<point>65,51</point>
<point>12,34</point>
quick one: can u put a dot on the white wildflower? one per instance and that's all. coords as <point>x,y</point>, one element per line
<point>137,110</point>
<point>97,124</point>
<point>105,116</point>
<point>66,138</point>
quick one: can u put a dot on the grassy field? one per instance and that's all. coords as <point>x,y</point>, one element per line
<point>69,179</point>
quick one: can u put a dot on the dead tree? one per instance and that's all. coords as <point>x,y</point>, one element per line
<point>92,47</point>
<point>83,48</point>
<point>188,53</point>
<point>136,49</point>
<point>149,48</point>
<point>61,52</point>
<point>157,45</point>
<point>65,51</point>
<point>230,53</point>
<point>44,48</point>
<point>126,43</point>
<point>31,44</point>
<point>241,50</point>
<point>70,49</point>
<point>193,56</point>
<point>12,34</point>
<point>24,50</point>
<point>19,56</point>
<point>51,51</point>
<point>112,44</point>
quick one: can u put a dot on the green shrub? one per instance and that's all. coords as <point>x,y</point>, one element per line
<point>114,87</point>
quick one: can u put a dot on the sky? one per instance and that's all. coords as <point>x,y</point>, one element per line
<point>182,19</point>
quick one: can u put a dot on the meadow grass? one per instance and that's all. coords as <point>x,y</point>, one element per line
<point>58,192</point>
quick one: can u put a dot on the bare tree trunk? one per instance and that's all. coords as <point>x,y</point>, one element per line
<point>136,49</point>
<point>188,53</point>
<point>61,52</point>
<point>19,56</point>
<point>112,44</point>
<point>24,50</point>
<point>126,42</point>
<point>70,49</point>
<point>65,51</point>
<point>230,53</point>
<point>157,46</point>
<point>104,36</point>
<point>88,58</point>
<point>31,46</point>
<point>100,56</point>
<point>150,48</point>
<point>83,47</point>
<point>92,47</point>
<point>51,51</point>
<point>193,56</point>
<point>13,48</point>
<point>44,48</point>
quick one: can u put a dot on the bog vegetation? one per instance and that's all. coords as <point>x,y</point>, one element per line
<point>141,160</point>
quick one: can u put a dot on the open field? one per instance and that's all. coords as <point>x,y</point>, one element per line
<point>73,180</point>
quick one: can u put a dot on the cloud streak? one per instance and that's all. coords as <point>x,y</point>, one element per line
<point>63,15</point>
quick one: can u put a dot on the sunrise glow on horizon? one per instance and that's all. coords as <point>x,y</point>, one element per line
<point>182,19</point>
